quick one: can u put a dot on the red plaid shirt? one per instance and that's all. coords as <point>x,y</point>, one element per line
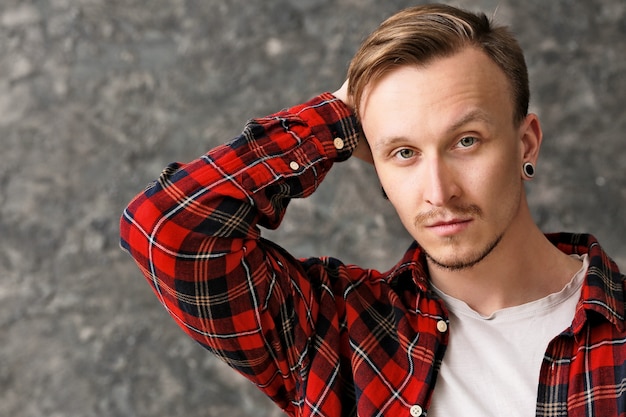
<point>319,337</point>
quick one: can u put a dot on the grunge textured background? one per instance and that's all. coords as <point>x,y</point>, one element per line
<point>97,96</point>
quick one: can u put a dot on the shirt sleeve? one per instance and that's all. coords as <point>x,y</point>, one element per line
<point>194,235</point>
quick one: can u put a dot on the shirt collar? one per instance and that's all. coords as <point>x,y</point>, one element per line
<point>603,288</point>
<point>414,262</point>
<point>602,292</point>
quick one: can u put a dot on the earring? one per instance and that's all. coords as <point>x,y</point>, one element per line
<point>529,169</point>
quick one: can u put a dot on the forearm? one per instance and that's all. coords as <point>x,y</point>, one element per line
<point>194,233</point>
<point>233,188</point>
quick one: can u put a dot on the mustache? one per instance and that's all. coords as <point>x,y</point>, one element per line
<point>447,213</point>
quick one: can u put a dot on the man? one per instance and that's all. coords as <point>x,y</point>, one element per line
<point>484,315</point>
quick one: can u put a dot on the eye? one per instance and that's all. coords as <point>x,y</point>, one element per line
<point>467,141</point>
<point>404,153</point>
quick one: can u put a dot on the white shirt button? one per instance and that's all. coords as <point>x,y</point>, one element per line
<point>338,142</point>
<point>294,165</point>
<point>442,326</point>
<point>416,411</point>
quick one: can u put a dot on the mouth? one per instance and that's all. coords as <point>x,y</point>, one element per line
<point>451,227</point>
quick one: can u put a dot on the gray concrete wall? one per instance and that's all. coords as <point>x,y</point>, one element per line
<point>96,96</point>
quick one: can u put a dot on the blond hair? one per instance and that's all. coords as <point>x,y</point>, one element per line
<point>419,34</point>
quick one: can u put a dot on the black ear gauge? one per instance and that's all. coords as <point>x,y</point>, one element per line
<point>529,169</point>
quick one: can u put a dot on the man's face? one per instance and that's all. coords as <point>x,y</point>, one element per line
<point>448,154</point>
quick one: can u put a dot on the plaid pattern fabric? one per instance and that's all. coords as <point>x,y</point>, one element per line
<point>322,338</point>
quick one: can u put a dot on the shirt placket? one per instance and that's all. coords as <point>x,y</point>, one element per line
<point>554,378</point>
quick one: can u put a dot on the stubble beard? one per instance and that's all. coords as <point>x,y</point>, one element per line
<point>466,262</point>
<point>469,260</point>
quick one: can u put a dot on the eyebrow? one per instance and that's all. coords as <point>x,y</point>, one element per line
<point>471,116</point>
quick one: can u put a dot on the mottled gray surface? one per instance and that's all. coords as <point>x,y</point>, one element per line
<point>96,96</point>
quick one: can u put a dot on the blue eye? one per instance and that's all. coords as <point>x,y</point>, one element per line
<point>467,141</point>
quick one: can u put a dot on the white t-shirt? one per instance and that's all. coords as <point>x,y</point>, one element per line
<point>492,364</point>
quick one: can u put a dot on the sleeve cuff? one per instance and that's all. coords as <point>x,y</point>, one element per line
<point>333,123</point>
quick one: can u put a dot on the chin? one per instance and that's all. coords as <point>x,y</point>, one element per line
<point>456,262</point>
<point>453,264</point>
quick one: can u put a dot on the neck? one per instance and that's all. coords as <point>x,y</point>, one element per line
<point>523,267</point>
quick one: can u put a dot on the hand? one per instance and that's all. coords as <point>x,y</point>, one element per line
<point>342,94</point>
<point>362,151</point>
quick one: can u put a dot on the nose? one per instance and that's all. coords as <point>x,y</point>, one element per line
<point>440,182</point>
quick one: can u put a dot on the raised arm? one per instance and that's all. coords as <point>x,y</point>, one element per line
<point>194,234</point>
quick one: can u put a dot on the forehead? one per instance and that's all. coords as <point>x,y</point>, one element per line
<point>437,94</point>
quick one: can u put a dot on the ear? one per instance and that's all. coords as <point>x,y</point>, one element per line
<point>530,138</point>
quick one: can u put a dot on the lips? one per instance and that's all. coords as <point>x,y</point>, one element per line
<point>446,222</point>
<point>448,227</point>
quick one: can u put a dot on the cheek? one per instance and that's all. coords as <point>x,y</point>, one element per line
<point>389,181</point>
<point>495,184</point>
<point>507,169</point>
<point>400,190</point>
